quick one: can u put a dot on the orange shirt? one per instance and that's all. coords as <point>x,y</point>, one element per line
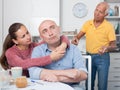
<point>98,37</point>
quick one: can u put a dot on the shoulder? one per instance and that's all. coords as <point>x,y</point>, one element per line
<point>33,44</point>
<point>74,50</point>
<point>86,26</point>
<point>40,47</point>
<point>89,22</point>
<point>73,47</point>
<point>12,50</point>
<point>108,26</point>
<point>106,22</point>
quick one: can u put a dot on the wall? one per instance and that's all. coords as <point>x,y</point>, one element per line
<point>28,12</point>
<point>68,20</point>
<point>0,26</point>
<point>70,23</point>
<point>32,12</point>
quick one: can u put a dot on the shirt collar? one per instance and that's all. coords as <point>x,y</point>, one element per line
<point>101,25</point>
<point>46,48</point>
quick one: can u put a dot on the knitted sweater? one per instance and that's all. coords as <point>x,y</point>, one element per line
<point>22,58</point>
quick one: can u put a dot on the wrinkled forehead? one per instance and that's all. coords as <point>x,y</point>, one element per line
<point>103,5</point>
<point>46,24</point>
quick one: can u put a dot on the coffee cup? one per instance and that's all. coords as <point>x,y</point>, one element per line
<point>16,72</point>
<point>4,79</point>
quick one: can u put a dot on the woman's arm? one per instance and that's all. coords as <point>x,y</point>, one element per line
<point>65,40</point>
<point>76,38</point>
<point>14,59</point>
<point>64,44</point>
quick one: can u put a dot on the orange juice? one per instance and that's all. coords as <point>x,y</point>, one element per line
<point>21,82</point>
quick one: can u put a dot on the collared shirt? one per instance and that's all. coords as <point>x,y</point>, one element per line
<point>72,59</point>
<point>98,37</point>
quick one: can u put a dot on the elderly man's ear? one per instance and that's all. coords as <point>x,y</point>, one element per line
<point>106,14</point>
<point>59,29</point>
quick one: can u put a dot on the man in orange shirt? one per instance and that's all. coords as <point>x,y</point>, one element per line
<point>100,40</point>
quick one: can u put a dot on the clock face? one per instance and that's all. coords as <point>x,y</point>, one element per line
<point>80,10</point>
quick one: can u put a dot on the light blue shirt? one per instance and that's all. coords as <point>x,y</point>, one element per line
<point>72,59</point>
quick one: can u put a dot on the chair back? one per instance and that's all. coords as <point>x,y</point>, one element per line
<point>88,65</point>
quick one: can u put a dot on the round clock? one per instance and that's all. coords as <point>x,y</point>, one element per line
<point>80,10</point>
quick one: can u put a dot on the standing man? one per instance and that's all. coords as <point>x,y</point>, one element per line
<point>70,69</point>
<point>100,40</point>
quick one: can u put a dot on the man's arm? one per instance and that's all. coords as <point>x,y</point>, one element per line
<point>77,74</point>
<point>65,39</point>
<point>112,46</point>
<point>76,38</point>
<point>34,72</point>
<point>68,76</point>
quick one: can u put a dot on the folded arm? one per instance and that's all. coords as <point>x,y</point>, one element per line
<point>71,75</point>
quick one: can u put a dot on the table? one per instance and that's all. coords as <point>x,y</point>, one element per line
<point>42,85</point>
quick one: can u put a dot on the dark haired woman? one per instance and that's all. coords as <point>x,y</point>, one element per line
<point>17,49</point>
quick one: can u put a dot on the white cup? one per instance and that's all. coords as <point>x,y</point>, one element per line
<point>4,79</point>
<point>16,72</point>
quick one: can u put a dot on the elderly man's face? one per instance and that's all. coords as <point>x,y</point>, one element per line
<point>99,12</point>
<point>49,32</point>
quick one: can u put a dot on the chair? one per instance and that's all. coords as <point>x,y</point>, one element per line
<point>88,58</point>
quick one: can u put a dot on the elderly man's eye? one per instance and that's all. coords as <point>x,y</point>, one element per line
<point>52,27</point>
<point>45,30</point>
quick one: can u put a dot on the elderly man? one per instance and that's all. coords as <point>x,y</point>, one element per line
<point>70,69</point>
<point>100,40</point>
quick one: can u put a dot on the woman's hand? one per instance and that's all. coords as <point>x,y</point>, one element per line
<point>62,47</point>
<point>57,54</point>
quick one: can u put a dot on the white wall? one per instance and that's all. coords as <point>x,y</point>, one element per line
<point>32,12</point>
<point>68,20</point>
<point>0,26</point>
<point>29,12</point>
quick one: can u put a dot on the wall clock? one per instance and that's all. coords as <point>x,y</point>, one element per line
<point>80,10</point>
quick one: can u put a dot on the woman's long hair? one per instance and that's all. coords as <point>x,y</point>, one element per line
<point>9,43</point>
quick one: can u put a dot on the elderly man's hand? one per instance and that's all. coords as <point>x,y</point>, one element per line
<point>47,75</point>
<point>102,50</point>
<point>75,41</point>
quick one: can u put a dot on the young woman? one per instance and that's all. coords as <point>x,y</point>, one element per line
<point>17,49</point>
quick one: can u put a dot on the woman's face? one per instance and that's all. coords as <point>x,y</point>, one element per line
<point>23,37</point>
